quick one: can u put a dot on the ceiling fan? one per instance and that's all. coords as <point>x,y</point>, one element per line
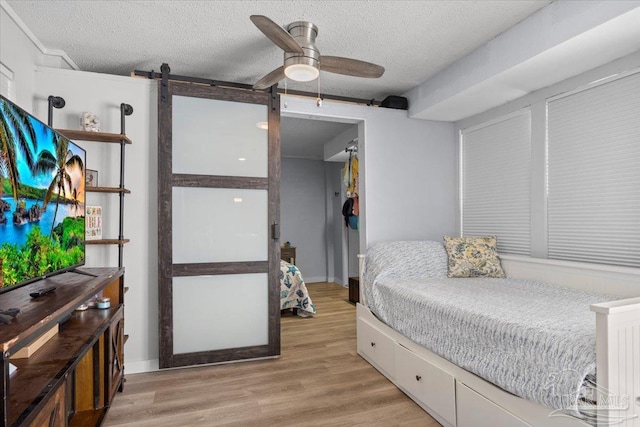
<point>302,59</point>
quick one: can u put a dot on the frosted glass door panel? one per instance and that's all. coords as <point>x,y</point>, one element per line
<point>219,225</point>
<point>212,137</point>
<point>220,312</point>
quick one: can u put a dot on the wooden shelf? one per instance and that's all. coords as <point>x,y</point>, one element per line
<point>72,289</point>
<point>107,242</point>
<point>88,418</point>
<point>107,190</point>
<point>126,289</point>
<point>81,135</point>
<point>116,138</point>
<point>47,365</point>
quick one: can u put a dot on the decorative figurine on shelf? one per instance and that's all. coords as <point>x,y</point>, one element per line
<point>287,244</point>
<point>89,122</point>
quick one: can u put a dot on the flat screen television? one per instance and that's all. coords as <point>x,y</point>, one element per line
<point>42,199</point>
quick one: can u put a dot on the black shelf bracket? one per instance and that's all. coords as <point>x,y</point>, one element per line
<point>54,102</point>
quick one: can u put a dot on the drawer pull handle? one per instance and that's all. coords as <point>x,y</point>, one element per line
<point>418,377</point>
<point>373,344</point>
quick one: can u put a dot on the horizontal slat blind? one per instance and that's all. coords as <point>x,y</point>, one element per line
<point>496,182</point>
<point>593,198</point>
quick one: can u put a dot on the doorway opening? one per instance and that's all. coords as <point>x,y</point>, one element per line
<point>313,193</point>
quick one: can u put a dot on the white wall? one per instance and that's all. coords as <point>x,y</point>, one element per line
<point>102,94</point>
<point>303,215</point>
<point>19,57</point>
<point>410,177</point>
<point>335,222</point>
<point>408,170</point>
<point>20,53</point>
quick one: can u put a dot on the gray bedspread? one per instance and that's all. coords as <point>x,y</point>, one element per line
<point>532,339</point>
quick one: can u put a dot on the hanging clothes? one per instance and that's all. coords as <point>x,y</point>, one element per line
<point>347,210</point>
<point>350,175</point>
<point>350,210</point>
<point>353,222</point>
<point>351,207</point>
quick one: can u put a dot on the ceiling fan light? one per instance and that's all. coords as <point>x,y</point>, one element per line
<point>301,72</point>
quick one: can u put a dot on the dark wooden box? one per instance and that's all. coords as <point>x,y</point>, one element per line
<point>354,289</point>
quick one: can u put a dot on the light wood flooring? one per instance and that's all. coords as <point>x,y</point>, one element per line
<point>319,380</point>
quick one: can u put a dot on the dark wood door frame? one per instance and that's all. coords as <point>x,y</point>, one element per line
<point>167,180</point>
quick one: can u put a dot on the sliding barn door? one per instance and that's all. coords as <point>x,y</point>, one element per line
<point>219,173</point>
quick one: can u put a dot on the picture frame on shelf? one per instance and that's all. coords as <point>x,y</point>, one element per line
<point>91,178</point>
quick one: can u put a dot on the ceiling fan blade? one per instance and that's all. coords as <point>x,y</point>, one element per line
<point>270,79</point>
<point>350,67</point>
<point>276,34</point>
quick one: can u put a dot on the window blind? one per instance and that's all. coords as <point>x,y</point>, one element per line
<point>496,182</point>
<point>593,199</point>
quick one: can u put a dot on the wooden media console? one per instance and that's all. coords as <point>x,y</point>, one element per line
<point>72,379</point>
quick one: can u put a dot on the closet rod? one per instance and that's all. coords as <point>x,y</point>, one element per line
<point>352,146</point>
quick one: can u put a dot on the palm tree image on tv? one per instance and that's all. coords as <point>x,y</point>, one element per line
<point>60,164</point>
<point>41,198</point>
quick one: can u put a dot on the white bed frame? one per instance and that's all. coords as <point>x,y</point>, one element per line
<point>458,398</point>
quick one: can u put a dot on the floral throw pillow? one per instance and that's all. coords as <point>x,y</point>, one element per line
<point>473,257</point>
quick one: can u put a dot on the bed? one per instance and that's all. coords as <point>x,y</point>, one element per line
<point>293,291</point>
<point>521,352</point>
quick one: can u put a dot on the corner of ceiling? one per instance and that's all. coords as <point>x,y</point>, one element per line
<point>50,56</point>
<point>559,41</point>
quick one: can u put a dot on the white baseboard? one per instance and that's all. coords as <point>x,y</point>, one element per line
<point>316,279</point>
<point>141,366</point>
<point>153,365</point>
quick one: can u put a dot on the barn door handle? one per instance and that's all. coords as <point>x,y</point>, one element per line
<point>275,231</point>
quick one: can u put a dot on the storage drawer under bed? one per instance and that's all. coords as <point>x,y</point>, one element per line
<point>430,385</point>
<point>474,410</point>
<point>376,346</point>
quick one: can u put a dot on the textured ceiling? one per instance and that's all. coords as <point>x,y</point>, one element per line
<point>215,39</point>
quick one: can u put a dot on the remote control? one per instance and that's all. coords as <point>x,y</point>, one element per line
<point>42,292</point>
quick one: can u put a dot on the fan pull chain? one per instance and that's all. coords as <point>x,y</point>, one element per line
<point>319,100</point>
<point>285,92</point>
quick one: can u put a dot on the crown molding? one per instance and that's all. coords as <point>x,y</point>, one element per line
<point>49,52</point>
